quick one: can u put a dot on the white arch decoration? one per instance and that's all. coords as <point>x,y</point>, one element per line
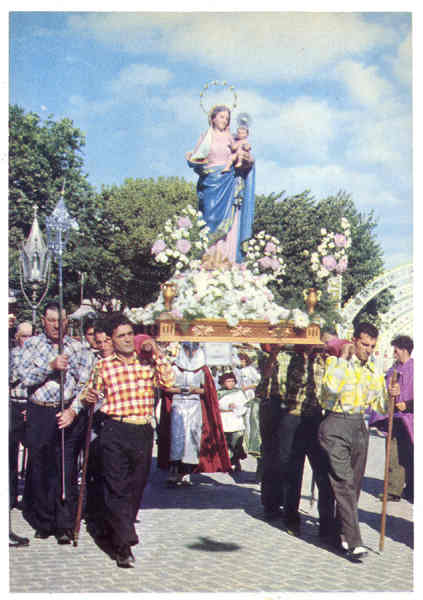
<point>398,319</point>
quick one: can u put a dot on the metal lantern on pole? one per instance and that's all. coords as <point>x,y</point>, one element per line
<point>59,225</point>
<point>34,266</point>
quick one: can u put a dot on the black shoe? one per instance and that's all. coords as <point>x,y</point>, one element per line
<point>64,536</point>
<point>356,554</point>
<point>293,528</point>
<point>42,534</point>
<point>98,530</point>
<point>18,505</point>
<point>16,541</point>
<point>124,558</point>
<point>390,498</point>
<point>271,514</point>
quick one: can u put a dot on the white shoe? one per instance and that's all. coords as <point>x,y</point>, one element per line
<point>357,553</point>
<point>186,480</point>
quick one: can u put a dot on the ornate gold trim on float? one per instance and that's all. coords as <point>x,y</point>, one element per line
<point>253,332</point>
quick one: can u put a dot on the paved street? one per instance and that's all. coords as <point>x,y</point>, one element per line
<point>211,537</point>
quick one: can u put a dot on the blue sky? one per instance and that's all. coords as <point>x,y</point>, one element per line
<point>329,95</point>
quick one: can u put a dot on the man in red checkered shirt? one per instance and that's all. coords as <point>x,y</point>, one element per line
<point>126,388</point>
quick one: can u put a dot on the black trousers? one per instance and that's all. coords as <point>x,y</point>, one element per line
<point>16,437</point>
<point>345,439</point>
<point>43,504</point>
<point>271,481</point>
<point>125,454</point>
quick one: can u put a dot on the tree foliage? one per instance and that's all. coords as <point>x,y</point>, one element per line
<point>117,255</point>
<point>296,221</point>
<point>43,158</point>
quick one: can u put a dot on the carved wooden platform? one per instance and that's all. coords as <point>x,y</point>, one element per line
<point>218,330</point>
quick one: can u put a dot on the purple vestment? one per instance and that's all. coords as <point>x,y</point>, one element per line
<point>405,379</point>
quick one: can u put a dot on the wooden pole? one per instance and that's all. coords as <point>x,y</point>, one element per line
<point>387,461</point>
<point>84,476</point>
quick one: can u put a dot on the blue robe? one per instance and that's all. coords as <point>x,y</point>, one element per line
<point>219,195</point>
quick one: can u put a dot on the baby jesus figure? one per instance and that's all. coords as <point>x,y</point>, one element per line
<point>240,149</point>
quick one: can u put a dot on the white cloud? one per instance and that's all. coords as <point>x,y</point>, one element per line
<point>364,83</point>
<point>367,189</point>
<point>383,141</point>
<point>134,76</point>
<point>266,47</point>
<point>82,108</point>
<point>402,64</point>
<point>302,127</point>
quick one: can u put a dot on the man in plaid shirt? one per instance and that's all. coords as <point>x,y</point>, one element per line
<point>39,372</point>
<point>127,386</point>
<point>17,414</point>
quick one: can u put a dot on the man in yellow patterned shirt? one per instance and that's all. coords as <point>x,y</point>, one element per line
<point>351,385</point>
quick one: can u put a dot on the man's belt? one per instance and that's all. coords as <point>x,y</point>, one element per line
<point>47,403</point>
<point>18,400</point>
<point>132,419</point>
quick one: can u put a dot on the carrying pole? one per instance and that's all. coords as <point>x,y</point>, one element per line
<point>387,462</point>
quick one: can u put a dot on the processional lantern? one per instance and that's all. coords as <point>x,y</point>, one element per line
<point>34,266</point>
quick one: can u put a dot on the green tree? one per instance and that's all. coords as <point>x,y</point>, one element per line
<point>296,221</point>
<point>117,253</point>
<point>44,156</point>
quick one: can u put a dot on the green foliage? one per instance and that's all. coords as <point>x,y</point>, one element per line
<point>296,221</point>
<point>117,255</point>
<point>43,157</point>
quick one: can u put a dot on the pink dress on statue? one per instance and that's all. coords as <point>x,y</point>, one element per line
<point>219,155</point>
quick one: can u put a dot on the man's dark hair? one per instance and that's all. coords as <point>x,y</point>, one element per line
<point>367,328</point>
<point>403,342</point>
<point>51,306</point>
<point>114,321</point>
<point>99,326</point>
<point>88,324</point>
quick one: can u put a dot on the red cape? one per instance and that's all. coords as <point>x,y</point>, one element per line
<point>214,457</point>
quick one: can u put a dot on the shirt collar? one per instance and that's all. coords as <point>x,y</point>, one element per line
<point>131,359</point>
<point>369,364</point>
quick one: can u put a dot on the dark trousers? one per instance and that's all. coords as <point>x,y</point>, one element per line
<point>126,452</point>
<point>44,506</point>
<point>271,482</point>
<point>401,461</point>
<point>298,439</point>
<point>16,437</point>
<point>94,507</point>
<point>235,442</point>
<point>345,439</point>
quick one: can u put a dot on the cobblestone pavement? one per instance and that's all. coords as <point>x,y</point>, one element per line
<point>211,537</point>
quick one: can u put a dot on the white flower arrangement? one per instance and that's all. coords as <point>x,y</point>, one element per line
<point>331,254</point>
<point>184,241</point>
<point>234,294</point>
<point>263,254</point>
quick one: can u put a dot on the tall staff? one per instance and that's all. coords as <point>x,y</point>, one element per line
<point>58,227</point>
<point>393,381</point>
